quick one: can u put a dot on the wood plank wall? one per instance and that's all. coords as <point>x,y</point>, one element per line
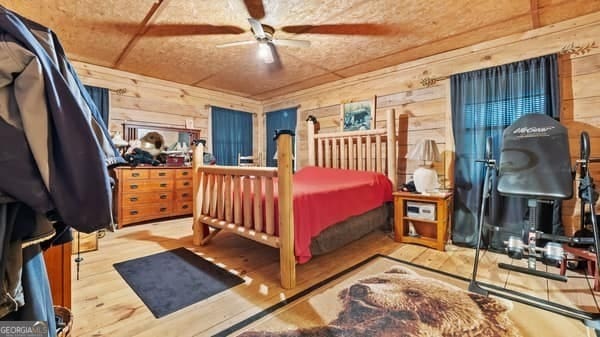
<point>140,98</point>
<point>421,111</point>
<point>580,111</point>
<point>425,112</point>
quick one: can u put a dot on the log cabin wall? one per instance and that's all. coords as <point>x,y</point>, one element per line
<point>425,111</point>
<point>138,98</point>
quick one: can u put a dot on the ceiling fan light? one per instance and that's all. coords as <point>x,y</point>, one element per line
<point>265,53</point>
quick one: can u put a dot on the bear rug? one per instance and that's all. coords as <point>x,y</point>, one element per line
<point>383,297</point>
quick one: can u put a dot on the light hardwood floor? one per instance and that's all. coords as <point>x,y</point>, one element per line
<point>104,305</point>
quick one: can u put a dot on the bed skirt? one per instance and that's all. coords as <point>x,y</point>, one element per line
<point>352,229</point>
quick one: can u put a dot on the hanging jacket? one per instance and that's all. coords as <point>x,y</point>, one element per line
<point>50,155</point>
<point>53,47</point>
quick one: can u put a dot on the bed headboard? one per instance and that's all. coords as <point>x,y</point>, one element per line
<point>368,150</point>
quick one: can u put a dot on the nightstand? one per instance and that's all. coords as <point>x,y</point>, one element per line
<point>428,214</point>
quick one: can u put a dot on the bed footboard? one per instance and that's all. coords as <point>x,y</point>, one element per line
<point>241,200</point>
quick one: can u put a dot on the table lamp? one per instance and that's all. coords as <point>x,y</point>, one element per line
<point>425,176</point>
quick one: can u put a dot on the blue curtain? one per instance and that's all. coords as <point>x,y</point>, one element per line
<point>100,98</point>
<point>280,119</point>
<point>484,102</point>
<point>231,135</point>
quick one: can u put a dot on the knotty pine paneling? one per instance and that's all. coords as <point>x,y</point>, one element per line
<point>150,100</point>
<point>580,111</point>
<point>425,112</point>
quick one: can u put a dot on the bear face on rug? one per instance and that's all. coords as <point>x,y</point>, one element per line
<point>402,303</point>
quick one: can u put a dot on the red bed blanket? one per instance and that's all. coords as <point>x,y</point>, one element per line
<point>325,196</point>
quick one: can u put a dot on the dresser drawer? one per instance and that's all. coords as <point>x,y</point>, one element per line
<point>182,207</point>
<point>185,194</point>
<point>147,185</point>
<point>147,211</point>
<point>134,174</point>
<point>161,174</point>
<point>133,199</point>
<point>183,173</point>
<point>183,184</point>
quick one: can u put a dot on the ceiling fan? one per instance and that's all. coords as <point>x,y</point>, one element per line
<point>263,35</point>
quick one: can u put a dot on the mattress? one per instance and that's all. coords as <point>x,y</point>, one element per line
<point>324,197</point>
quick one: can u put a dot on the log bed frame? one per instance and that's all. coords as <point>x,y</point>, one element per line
<point>243,212</point>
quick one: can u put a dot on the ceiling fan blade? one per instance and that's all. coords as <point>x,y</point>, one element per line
<point>238,43</point>
<point>276,65</point>
<point>116,27</point>
<point>255,8</point>
<point>190,29</point>
<point>345,29</point>
<point>257,28</point>
<point>291,43</point>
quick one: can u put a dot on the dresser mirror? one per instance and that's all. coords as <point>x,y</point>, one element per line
<point>173,136</point>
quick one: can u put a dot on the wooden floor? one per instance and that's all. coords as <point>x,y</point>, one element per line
<point>104,305</point>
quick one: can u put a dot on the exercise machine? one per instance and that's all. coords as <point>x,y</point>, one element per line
<point>535,164</point>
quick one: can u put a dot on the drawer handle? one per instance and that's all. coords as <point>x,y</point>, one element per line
<point>187,183</point>
<point>163,185</point>
<point>185,206</point>
<point>133,187</point>
<point>133,212</point>
<point>133,199</point>
<point>185,173</point>
<point>162,174</point>
<point>163,209</point>
<point>163,196</point>
<point>135,174</point>
<point>184,195</point>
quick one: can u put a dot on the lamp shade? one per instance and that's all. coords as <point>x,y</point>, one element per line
<point>425,150</point>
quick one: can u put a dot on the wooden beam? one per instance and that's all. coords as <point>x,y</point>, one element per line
<point>150,17</point>
<point>535,14</point>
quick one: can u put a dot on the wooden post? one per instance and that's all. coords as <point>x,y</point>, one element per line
<point>311,142</point>
<point>200,230</point>
<point>321,153</point>
<point>391,148</point>
<point>287,260</point>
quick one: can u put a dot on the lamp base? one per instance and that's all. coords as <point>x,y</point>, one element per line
<point>426,179</point>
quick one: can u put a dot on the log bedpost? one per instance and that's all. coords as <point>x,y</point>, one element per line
<point>311,140</point>
<point>200,230</point>
<point>391,148</point>
<point>287,259</point>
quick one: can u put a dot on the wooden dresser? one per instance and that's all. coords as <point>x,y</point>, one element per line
<point>145,193</point>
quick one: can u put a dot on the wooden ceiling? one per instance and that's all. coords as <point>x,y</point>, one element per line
<point>175,39</point>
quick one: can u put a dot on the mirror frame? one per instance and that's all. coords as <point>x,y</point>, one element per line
<point>130,130</point>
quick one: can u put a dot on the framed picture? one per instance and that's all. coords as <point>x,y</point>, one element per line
<point>358,115</point>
